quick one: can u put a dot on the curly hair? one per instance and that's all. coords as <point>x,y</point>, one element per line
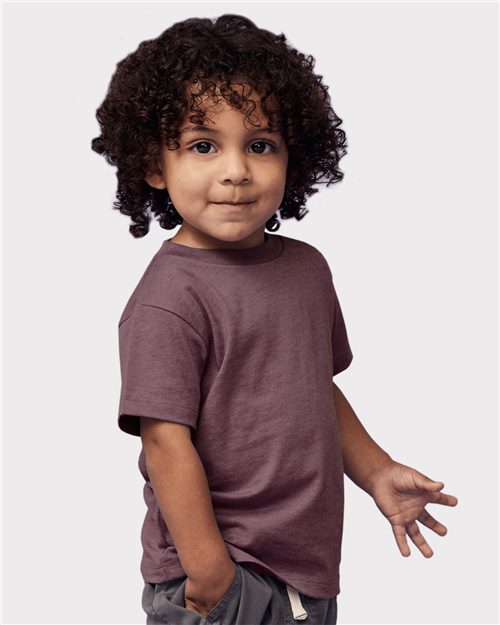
<point>147,100</point>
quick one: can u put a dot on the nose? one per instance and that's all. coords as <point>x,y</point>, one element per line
<point>234,168</point>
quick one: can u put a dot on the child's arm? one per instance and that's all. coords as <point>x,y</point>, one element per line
<point>363,458</point>
<point>400,492</point>
<point>181,488</point>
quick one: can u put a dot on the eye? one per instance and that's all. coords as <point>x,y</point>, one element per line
<point>264,143</point>
<point>207,143</point>
<point>199,143</point>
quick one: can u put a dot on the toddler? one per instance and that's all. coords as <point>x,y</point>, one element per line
<point>229,342</point>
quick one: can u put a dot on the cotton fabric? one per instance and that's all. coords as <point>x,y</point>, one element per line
<point>252,599</point>
<point>241,346</point>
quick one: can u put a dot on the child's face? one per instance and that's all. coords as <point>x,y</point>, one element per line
<point>229,163</point>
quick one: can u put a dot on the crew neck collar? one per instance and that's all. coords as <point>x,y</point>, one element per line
<point>269,250</point>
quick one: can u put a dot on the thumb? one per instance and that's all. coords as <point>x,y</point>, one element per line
<point>427,483</point>
<point>435,485</point>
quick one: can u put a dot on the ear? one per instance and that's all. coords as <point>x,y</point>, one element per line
<point>154,177</point>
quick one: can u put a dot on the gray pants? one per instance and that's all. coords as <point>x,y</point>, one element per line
<point>252,599</point>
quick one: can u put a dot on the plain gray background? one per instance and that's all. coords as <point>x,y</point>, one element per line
<point>411,235</point>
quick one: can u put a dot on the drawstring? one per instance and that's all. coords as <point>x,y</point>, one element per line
<point>299,614</point>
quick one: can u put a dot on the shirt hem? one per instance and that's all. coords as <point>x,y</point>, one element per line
<point>168,572</point>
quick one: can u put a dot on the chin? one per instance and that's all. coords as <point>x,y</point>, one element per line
<point>233,232</point>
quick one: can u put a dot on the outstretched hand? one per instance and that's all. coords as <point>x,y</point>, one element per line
<point>401,494</point>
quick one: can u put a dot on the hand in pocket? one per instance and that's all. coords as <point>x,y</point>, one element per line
<point>203,596</point>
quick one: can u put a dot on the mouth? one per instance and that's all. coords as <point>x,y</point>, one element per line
<point>233,203</point>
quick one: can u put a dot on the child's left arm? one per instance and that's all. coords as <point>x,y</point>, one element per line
<point>400,492</point>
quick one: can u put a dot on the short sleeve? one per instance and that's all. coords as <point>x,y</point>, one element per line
<point>162,360</point>
<point>342,354</point>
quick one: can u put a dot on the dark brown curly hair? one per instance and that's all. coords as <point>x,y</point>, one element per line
<point>147,100</point>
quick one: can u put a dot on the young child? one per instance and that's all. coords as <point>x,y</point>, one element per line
<point>229,341</point>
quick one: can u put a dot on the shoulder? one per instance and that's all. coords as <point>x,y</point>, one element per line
<point>306,252</point>
<point>170,287</point>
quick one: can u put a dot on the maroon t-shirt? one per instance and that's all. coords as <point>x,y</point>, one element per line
<point>241,345</point>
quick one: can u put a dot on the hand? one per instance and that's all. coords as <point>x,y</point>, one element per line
<point>401,494</point>
<point>201,596</point>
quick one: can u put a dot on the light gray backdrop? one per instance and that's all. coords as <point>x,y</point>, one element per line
<point>411,235</point>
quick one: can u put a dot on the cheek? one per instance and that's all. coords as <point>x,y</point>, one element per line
<point>190,182</point>
<point>277,177</point>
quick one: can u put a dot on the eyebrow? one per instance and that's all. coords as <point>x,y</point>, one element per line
<point>199,127</point>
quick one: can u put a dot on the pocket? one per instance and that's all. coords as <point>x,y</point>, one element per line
<point>230,593</point>
<point>168,605</point>
<point>148,593</point>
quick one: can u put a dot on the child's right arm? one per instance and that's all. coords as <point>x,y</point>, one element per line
<point>181,488</point>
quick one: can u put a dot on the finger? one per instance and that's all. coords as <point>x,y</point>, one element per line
<point>429,521</point>
<point>443,499</point>
<point>400,536</point>
<point>189,605</point>
<point>419,540</point>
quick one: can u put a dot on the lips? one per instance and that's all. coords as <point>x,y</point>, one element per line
<point>234,203</point>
